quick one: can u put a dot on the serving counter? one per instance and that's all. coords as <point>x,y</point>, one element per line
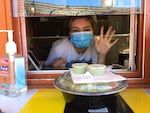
<point>52,101</point>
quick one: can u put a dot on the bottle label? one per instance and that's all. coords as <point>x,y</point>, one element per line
<point>4,70</point>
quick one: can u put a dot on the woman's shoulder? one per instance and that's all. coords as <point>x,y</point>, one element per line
<point>64,42</point>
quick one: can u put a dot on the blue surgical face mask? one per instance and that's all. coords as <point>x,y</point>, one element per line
<point>82,39</point>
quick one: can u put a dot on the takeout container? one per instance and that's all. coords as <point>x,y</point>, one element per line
<point>79,68</point>
<point>96,69</point>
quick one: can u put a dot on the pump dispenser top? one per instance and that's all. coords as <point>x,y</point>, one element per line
<point>10,45</point>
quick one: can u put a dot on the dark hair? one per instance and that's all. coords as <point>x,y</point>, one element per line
<point>91,18</point>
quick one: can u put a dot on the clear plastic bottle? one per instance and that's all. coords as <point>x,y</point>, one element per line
<point>12,70</point>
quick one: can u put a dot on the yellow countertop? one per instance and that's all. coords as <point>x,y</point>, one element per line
<point>52,101</point>
<point>137,99</point>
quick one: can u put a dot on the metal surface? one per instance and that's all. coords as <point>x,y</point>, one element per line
<point>65,84</point>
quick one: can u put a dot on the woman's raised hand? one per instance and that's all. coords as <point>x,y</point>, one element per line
<point>104,43</point>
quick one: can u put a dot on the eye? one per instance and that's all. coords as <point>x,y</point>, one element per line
<point>87,30</point>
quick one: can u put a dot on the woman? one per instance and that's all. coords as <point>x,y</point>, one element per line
<point>81,46</point>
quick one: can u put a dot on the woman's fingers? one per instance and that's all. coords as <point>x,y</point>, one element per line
<point>105,42</point>
<point>114,42</point>
<point>108,32</point>
<point>101,32</point>
<point>111,35</point>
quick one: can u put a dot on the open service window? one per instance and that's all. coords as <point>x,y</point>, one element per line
<point>47,21</point>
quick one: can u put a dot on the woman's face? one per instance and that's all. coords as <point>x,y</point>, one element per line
<point>80,25</point>
<point>81,32</point>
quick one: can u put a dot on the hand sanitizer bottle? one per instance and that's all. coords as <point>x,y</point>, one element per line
<point>12,70</point>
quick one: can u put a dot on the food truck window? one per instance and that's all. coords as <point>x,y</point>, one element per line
<point>47,21</point>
